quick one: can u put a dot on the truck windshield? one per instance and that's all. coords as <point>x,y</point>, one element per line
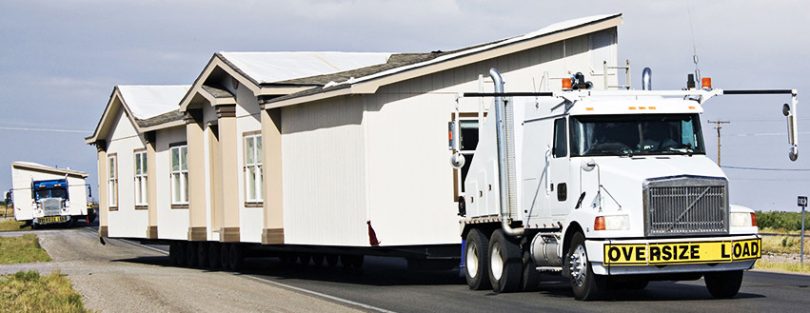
<point>640,134</point>
<point>52,193</point>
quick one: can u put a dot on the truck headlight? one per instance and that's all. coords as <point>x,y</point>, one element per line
<point>743,219</point>
<point>612,222</point>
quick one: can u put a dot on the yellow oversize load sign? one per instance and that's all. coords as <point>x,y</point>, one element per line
<point>682,252</point>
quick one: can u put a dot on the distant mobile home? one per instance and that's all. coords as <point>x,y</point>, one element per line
<point>304,150</point>
<point>48,195</point>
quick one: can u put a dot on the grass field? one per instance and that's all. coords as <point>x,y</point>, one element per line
<point>24,249</point>
<point>793,267</point>
<point>12,225</point>
<point>31,292</point>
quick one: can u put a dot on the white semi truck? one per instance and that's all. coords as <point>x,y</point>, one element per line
<point>44,195</point>
<point>610,188</point>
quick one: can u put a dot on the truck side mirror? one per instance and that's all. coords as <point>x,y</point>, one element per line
<point>89,191</point>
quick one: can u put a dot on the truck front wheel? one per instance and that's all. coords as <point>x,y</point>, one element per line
<point>476,260</point>
<point>723,285</point>
<point>585,284</point>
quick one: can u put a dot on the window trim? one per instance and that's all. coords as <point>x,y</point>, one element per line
<point>464,116</point>
<point>112,182</point>
<point>144,176</point>
<point>565,144</point>
<point>258,163</point>
<point>180,171</point>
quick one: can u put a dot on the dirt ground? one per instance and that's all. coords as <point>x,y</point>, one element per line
<point>125,277</point>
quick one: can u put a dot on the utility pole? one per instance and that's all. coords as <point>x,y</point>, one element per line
<point>718,127</point>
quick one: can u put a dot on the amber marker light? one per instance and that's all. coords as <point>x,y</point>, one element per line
<point>566,84</point>
<point>599,223</point>
<point>706,83</point>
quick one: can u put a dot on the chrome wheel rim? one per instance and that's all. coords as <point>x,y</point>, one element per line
<point>472,260</point>
<point>496,262</point>
<point>578,265</point>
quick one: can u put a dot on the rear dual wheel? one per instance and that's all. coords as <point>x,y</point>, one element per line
<point>505,263</point>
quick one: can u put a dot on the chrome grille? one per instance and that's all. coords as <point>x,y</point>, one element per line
<point>686,205</point>
<point>52,206</point>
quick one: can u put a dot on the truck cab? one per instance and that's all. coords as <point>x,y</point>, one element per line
<point>50,201</point>
<point>611,189</point>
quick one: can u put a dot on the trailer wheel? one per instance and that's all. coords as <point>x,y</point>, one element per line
<point>181,253</point>
<point>191,254</point>
<point>476,261</point>
<point>332,260</point>
<point>531,277</point>
<point>304,259</point>
<point>202,254</point>
<point>225,256</point>
<point>236,257</point>
<point>723,285</point>
<point>505,263</point>
<point>173,251</point>
<point>352,262</point>
<point>317,259</point>
<point>585,284</point>
<point>214,257</point>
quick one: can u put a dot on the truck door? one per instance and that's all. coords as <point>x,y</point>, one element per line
<point>559,199</point>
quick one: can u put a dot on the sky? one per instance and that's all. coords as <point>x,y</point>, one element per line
<point>59,61</point>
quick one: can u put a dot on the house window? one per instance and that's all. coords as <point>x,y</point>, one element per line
<point>140,179</point>
<point>253,168</point>
<point>179,175</point>
<point>112,181</point>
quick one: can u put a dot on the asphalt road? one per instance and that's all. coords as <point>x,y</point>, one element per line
<point>386,284</point>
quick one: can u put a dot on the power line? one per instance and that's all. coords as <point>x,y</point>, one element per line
<point>52,130</point>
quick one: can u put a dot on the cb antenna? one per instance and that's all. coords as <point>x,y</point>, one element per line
<point>695,58</point>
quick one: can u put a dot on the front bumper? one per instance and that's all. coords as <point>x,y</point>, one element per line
<point>644,264</point>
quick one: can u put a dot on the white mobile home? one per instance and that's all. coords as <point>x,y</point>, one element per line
<point>334,150</point>
<point>48,195</point>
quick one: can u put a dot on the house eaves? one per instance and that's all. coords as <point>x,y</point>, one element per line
<point>370,83</point>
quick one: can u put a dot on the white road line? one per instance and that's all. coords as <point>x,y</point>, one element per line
<point>318,294</point>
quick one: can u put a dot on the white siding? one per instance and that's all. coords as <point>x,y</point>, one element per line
<point>324,183</point>
<point>172,223</point>
<point>247,120</point>
<point>126,221</point>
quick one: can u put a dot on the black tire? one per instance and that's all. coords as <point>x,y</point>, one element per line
<point>332,260</point>
<point>288,259</point>
<point>202,254</point>
<point>476,260</point>
<point>317,260</point>
<point>304,259</point>
<point>181,253</point>
<point>531,277</point>
<point>191,254</point>
<point>723,285</point>
<point>505,263</point>
<point>585,284</point>
<point>236,257</point>
<point>352,262</point>
<point>224,256</point>
<point>173,251</point>
<point>214,257</point>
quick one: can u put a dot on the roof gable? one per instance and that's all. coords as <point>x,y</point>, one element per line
<point>145,106</point>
